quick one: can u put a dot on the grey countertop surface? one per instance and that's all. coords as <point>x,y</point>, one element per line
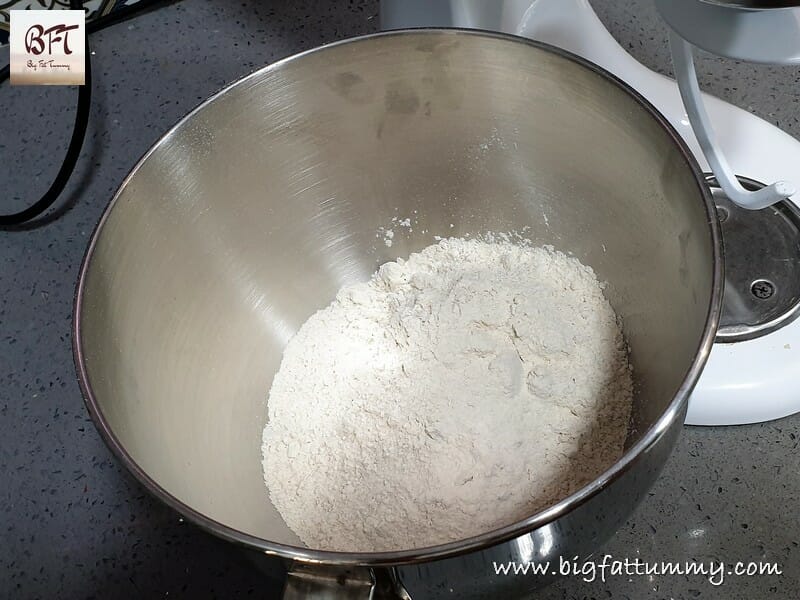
<point>74,524</point>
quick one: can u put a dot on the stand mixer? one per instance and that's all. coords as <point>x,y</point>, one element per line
<point>754,364</point>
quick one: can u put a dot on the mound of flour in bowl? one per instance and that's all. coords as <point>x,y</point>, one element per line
<point>453,393</point>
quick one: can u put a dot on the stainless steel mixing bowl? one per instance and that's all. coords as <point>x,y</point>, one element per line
<point>254,210</point>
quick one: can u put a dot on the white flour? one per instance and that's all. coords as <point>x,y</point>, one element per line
<point>454,393</point>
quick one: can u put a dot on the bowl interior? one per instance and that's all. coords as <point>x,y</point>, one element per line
<point>250,215</point>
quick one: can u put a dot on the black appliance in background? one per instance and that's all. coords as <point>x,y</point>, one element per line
<point>99,14</point>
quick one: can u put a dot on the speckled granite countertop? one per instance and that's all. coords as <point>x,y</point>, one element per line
<point>73,524</point>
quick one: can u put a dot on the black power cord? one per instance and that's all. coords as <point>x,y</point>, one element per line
<point>81,116</point>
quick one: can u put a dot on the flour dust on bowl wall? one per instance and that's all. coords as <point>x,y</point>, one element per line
<point>270,206</point>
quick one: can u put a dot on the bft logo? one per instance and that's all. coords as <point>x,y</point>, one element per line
<point>48,47</point>
<point>37,39</point>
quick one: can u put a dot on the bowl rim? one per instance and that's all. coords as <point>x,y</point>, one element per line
<point>674,411</point>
